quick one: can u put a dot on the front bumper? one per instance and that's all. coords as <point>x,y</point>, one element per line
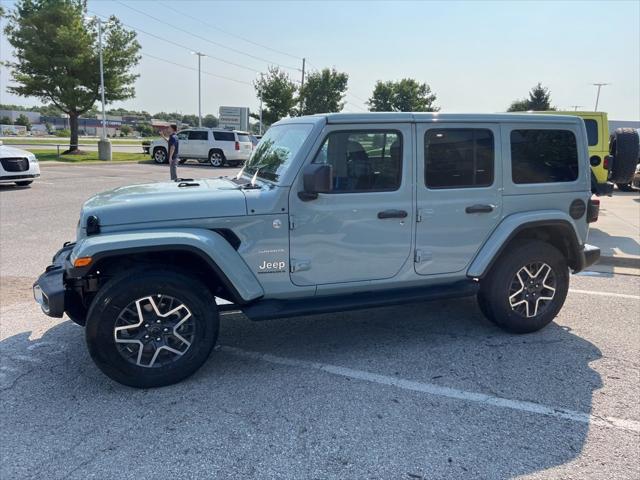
<point>10,178</point>
<point>49,290</point>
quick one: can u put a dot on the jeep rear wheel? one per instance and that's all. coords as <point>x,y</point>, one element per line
<point>160,155</point>
<point>216,158</point>
<point>624,148</point>
<point>526,289</point>
<point>151,327</point>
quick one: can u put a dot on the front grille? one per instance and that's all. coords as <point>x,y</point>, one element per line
<point>15,164</point>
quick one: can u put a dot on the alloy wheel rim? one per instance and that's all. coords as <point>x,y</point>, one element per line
<point>159,156</point>
<point>154,331</point>
<point>532,289</point>
<point>216,160</point>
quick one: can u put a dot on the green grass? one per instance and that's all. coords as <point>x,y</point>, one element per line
<point>52,155</point>
<point>65,141</point>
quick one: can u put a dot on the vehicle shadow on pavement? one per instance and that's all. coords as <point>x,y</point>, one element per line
<point>626,245</point>
<point>11,188</point>
<point>241,416</point>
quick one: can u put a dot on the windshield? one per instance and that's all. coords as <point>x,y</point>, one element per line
<point>273,155</point>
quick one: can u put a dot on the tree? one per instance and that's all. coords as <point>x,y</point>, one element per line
<point>23,120</point>
<point>56,52</point>
<point>210,121</point>
<point>277,92</point>
<point>191,120</point>
<point>145,130</point>
<point>125,130</point>
<point>323,92</point>
<point>539,100</point>
<point>5,120</point>
<point>407,95</point>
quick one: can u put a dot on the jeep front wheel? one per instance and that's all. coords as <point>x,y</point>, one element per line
<point>160,155</point>
<point>526,289</point>
<point>216,158</point>
<point>151,327</point>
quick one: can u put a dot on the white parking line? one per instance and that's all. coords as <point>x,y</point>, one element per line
<point>440,391</point>
<point>605,294</point>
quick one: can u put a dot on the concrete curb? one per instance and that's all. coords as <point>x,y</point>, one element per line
<point>54,163</point>
<point>627,262</point>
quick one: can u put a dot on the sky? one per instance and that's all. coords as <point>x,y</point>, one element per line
<point>477,56</point>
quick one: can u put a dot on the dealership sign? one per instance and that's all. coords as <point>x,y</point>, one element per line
<point>236,118</point>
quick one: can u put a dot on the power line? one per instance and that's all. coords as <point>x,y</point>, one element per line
<point>194,69</point>
<point>231,34</point>
<point>204,38</point>
<point>190,49</point>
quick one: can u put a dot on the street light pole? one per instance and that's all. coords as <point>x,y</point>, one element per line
<point>599,85</point>
<point>104,145</point>
<point>200,55</point>
<point>104,115</point>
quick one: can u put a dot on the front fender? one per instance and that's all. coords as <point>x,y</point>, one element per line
<point>209,245</point>
<point>509,227</point>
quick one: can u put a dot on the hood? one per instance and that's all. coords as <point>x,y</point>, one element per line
<point>166,201</point>
<point>6,152</point>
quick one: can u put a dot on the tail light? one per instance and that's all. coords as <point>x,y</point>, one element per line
<point>237,145</point>
<point>593,210</point>
<point>607,162</point>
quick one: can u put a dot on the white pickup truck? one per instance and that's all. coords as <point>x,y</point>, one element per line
<point>214,145</point>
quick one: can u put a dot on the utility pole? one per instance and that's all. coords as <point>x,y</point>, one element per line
<point>302,84</point>
<point>599,85</point>
<point>200,55</point>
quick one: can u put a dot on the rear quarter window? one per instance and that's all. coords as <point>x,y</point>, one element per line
<point>592,131</point>
<point>543,156</point>
<point>224,136</point>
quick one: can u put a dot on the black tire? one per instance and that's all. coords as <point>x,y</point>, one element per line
<point>136,287</point>
<point>216,158</point>
<point>623,146</point>
<point>160,155</point>
<point>502,283</point>
<point>25,183</point>
<point>625,187</point>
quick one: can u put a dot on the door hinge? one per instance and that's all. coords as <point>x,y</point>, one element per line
<point>419,216</point>
<point>299,265</point>
<point>421,256</point>
<point>292,223</point>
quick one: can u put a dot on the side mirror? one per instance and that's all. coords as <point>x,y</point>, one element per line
<point>317,178</point>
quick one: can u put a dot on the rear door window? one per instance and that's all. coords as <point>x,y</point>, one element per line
<point>198,135</point>
<point>224,136</point>
<point>458,157</point>
<point>543,156</point>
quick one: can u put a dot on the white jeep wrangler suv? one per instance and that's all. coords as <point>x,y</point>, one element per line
<point>215,145</point>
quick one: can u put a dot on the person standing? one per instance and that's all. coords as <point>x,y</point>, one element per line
<point>172,146</point>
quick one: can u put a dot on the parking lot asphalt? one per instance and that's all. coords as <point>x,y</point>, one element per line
<point>428,391</point>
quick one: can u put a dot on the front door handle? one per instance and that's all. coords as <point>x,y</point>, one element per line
<point>480,208</point>
<point>392,214</point>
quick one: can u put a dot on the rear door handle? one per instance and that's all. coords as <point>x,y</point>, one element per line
<point>479,208</point>
<point>392,214</point>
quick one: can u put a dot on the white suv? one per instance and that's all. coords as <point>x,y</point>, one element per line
<point>215,145</point>
<point>17,166</point>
